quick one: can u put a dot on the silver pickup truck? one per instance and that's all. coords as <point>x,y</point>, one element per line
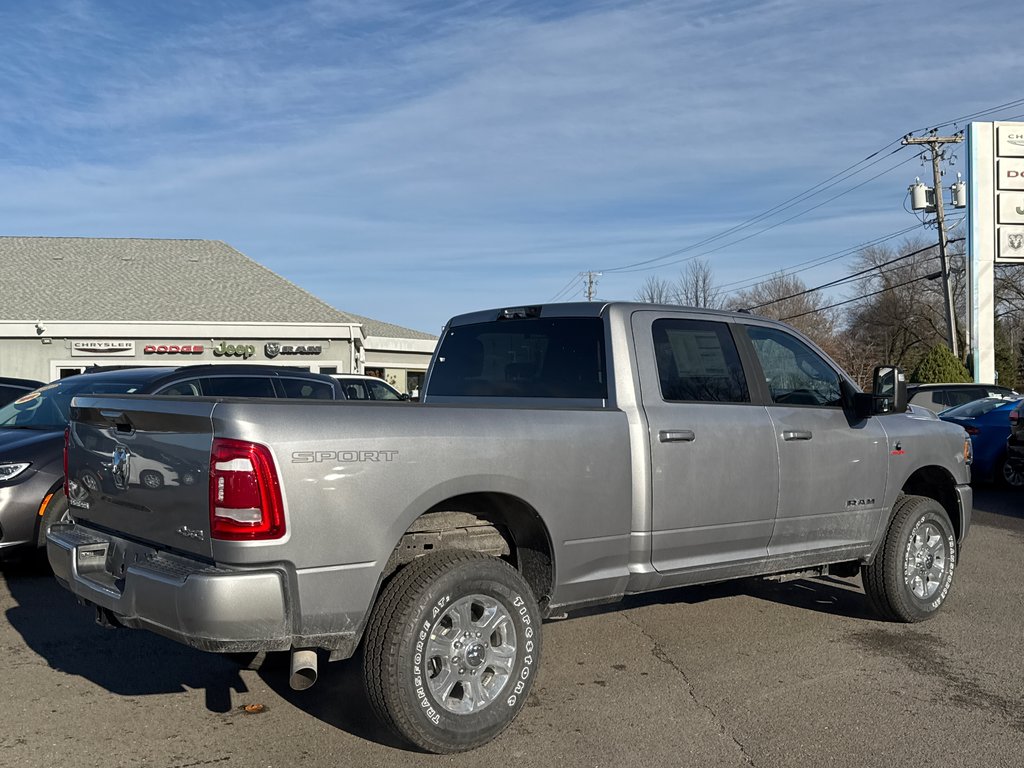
<point>562,456</point>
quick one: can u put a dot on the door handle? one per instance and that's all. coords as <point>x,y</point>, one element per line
<point>797,434</point>
<point>677,436</point>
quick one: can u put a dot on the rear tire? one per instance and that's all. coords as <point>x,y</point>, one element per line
<point>1011,473</point>
<point>910,577</point>
<point>451,650</point>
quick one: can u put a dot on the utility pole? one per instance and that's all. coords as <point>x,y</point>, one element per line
<point>591,283</point>
<point>935,143</point>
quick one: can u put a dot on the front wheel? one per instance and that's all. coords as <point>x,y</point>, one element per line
<point>57,511</point>
<point>910,577</point>
<point>451,650</point>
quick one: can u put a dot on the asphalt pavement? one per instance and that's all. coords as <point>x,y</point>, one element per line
<point>750,673</point>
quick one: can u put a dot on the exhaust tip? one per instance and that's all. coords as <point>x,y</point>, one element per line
<point>303,669</point>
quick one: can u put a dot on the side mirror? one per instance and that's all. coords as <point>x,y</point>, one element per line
<point>888,394</point>
<point>888,390</point>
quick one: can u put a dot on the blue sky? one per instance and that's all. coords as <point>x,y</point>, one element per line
<point>412,160</point>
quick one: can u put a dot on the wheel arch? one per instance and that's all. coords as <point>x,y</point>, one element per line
<point>462,522</point>
<point>937,483</point>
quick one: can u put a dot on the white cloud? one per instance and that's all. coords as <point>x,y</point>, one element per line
<point>333,139</point>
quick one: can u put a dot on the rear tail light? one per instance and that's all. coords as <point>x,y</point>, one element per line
<point>245,494</point>
<point>1015,417</point>
<point>972,431</point>
<point>67,445</point>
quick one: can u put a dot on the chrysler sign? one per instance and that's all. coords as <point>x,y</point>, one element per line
<point>103,348</point>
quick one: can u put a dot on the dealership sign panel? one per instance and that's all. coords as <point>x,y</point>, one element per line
<point>997,191</point>
<point>103,348</point>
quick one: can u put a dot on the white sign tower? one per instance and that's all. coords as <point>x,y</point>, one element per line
<point>995,228</point>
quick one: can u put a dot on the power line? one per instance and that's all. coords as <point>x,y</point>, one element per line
<point>933,276</point>
<point>853,276</point>
<point>778,223</point>
<point>815,262</point>
<point>817,189</point>
<point>973,115</point>
<point>566,289</point>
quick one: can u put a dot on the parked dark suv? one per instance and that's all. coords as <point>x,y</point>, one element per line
<point>939,397</point>
<point>32,434</point>
<point>1013,469</point>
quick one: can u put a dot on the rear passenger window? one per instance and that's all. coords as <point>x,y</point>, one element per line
<point>188,388</point>
<point>698,362</point>
<point>307,390</point>
<point>238,386</point>
<point>795,374</point>
<point>354,390</point>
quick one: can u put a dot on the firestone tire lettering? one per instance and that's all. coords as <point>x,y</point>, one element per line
<point>886,578</point>
<point>397,660</point>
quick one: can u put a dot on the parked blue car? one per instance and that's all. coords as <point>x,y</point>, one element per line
<point>987,421</point>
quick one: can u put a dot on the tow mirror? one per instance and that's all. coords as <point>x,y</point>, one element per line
<point>888,390</point>
<point>888,393</point>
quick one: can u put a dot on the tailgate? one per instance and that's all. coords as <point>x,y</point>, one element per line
<point>140,466</point>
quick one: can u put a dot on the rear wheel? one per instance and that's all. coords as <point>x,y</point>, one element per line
<point>451,650</point>
<point>1011,472</point>
<point>911,575</point>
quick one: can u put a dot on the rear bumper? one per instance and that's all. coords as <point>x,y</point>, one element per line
<point>204,606</point>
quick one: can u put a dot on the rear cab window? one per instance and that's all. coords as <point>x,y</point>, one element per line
<point>540,358</point>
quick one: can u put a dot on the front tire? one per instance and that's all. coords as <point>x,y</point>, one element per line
<point>910,577</point>
<point>57,511</point>
<point>451,650</point>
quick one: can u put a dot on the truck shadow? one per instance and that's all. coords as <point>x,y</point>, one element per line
<point>338,699</point>
<point>124,662</point>
<point>827,594</point>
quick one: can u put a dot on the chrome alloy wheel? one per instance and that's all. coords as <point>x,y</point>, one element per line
<point>925,564</point>
<point>470,654</point>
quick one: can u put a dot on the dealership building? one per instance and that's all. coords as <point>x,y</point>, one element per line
<point>70,303</point>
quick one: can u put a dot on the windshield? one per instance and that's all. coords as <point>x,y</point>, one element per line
<point>977,407</point>
<point>47,407</point>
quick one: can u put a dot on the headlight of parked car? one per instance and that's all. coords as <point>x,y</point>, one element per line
<point>11,471</point>
<point>968,450</point>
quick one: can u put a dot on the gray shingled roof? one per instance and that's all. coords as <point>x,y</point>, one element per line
<point>134,279</point>
<point>373,327</point>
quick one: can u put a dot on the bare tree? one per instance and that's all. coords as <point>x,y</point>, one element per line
<point>696,286</point>
<point>901,314</point>
<point>786,297</point>
<point>656,290</point>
